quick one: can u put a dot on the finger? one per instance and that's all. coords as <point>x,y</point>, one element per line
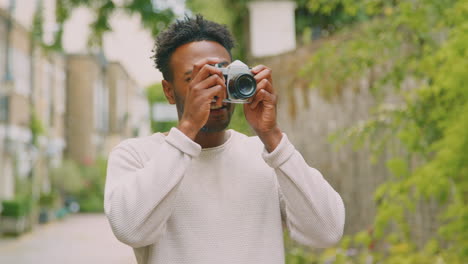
<point>218,99</point>
<point>209,82</point>
<point>263,85</point>
<point>263,74</point>
<point>198,66</point>
<point>261,68</point>
<point>258,68</point>
<point>259,96</point>
<point>215,91</point>
<point>263,95</point>
<point>205,72</point>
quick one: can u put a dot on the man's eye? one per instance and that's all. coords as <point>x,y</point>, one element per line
<point>188,79</point>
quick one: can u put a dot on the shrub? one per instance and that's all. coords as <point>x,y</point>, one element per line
<point>92,204</point>
<point>67,179</point>
<point>48,200</point>
<point>91,196</point>
<point>15,208</point>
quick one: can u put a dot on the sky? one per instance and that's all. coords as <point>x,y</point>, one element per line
<point>128,43</point>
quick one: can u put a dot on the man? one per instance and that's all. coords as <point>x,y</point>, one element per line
<point>202,194</point>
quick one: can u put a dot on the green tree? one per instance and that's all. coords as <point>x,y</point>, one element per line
<point>233,14</point>
<point>91,196</point>
<point>425,41</point>
<point>152,18</point>
<point>67,179</point>
<point>320,18</point>
<point>315,19</point>
<point>155,94</point>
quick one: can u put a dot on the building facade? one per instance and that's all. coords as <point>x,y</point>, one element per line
<point>272,27</point>
<point>128,106</point>
<point>121,88</point>
<point>55,106</point>
<point>15,95</point>
<point>101,104</point>
<point>87,121</point>
<point>48,106</point>
<point>32,109</point>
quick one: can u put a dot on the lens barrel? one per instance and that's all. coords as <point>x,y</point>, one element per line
<point>242,86</point>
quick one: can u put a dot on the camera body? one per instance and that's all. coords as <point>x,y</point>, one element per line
<point>240,83</point>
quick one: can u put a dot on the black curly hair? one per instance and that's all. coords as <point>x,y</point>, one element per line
<point>185,31</point>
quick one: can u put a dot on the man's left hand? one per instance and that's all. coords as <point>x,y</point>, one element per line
<point>261,111</point>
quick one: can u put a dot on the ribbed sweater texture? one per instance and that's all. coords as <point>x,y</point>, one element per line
<point>176,203</point>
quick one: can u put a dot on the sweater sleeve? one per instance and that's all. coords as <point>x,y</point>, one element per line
<point>313,210</point>
<point>139,196</point>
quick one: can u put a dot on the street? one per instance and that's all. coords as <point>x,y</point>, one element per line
<point>82,238</point>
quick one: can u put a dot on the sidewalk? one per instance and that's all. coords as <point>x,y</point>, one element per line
<point>85,238</point>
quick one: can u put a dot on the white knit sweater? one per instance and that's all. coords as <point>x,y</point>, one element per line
<point>176,203</point>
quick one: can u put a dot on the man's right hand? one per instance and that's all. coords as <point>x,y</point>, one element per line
<point>206,83</point>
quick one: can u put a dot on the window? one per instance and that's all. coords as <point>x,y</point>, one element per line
<point>46,92</point>
<point>60,89</point>
<point>21,70</point>
<point>121,103</point>
<point>3,108</point>
<point>101,106</point>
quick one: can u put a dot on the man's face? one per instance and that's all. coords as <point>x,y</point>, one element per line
<point>182,62</point>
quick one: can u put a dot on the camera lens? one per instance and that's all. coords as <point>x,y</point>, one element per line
<point>244,86</point>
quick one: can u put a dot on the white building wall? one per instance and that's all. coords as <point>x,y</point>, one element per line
<point>21,71</point>
<point>23,11</point>
<point>272,27</point>
<point>24,14</point>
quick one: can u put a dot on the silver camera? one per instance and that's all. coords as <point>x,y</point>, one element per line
<point>240,82</point>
